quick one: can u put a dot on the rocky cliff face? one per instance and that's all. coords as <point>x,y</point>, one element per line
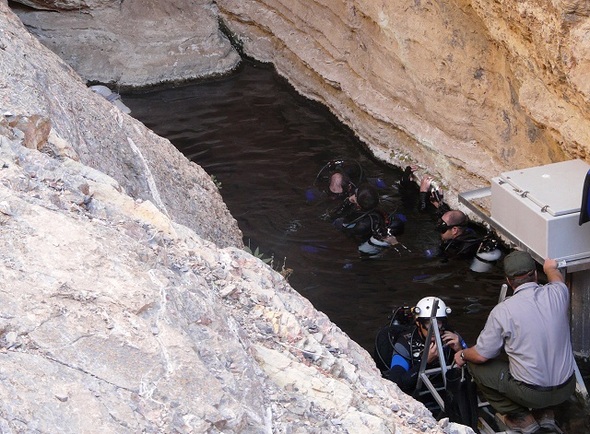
<point>127,305</point>
<point>466,89</point>
<point>89,129</point>
<point>132,42</point>
<point>120,263</point>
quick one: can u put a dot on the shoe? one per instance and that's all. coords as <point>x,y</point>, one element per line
<point>546,420</point>
<point>522,423</point>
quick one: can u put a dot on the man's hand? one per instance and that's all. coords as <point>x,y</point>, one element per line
<point>552,272</point>
<point>451,340</point>
<point>432,352</point>
<point>470,355</point>
<point>391,240</point>
<point>425,183</point>
<point>433,199</point>
<point>458,360</point>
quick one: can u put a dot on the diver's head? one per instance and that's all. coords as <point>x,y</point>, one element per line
<point>367,197</point>
<point>451,224</point>
<point>423,313</point>
<point>339,183</point>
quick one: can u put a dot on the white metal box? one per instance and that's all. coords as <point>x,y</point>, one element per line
<point>540,207</point>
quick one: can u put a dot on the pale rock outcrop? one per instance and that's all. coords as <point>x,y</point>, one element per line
<point>466,89</point>
<point>133,42</point>
<point>35,84</point>
<point>547,45</point>
<point>429,81</point>
<point>116,318</point>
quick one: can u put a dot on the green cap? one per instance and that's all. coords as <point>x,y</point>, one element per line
<point>518,263</point>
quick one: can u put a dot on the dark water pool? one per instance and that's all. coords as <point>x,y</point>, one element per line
<point>265,145</point>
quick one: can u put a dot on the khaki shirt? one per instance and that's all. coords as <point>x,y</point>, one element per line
<point>533,328</point>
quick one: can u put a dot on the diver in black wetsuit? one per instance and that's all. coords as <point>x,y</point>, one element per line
<point>361,217</point>
<point>399,349</point>
<point>459,238</point>
<point>340,178</point>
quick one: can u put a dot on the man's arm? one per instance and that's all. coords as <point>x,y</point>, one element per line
<point>469,355</point>
<point>552,272</point>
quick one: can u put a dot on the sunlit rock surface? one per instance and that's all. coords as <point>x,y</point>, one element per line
<point>467,89</point>
<point>87,128</point>
<point>127,303</point>
<point>132,42</point>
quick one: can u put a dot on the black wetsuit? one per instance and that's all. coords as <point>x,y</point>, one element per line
<point>363,225</point>
<point>370,229</point>
<point>405,359</point>
<point>462,247</point>
<point>353,173</point>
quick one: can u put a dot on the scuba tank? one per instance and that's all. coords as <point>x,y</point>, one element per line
<point>487,255</point>
<point>372,247</point>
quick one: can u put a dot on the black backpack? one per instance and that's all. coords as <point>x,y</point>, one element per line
<point>400,321</point>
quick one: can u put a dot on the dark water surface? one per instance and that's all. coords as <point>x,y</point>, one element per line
<point>265,145</point>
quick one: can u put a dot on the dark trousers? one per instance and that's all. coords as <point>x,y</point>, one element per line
<point>508,395</point>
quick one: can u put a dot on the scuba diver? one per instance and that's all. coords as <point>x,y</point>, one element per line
<point>358,214</point>
<point>400,346</point>
<point>362,218</point>
<point>424,194</point>
<point>459,237</point>
<point>339,178</point>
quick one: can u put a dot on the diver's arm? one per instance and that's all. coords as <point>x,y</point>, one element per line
<point>401,373</point>
<point>344,209</point>
<point>442,208</point>
<point>391,240</point>
<point>424,197</point>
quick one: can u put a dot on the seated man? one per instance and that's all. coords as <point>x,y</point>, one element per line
<point>532,329</point>
<point>402,353</point>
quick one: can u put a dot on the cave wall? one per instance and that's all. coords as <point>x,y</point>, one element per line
<point>465,89</point>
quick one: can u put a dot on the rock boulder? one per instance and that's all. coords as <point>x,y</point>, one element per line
<point>128,304</point>
<point>133,42</point>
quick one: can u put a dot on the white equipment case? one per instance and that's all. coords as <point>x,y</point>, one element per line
<point>541,205</point>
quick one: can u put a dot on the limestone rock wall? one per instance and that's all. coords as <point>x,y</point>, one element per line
<point>36,84</point>
<point>117,318</point>
<point>466,89</point>
<point>132,42</point>
<point>547,45</point>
